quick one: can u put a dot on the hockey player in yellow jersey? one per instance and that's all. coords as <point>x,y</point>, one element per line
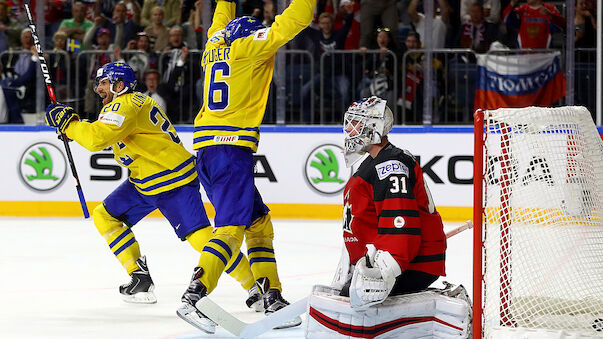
<point>238,62</point>
<point>162,176</point>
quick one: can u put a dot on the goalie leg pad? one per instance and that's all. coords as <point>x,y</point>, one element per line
<point>427,314</point>
<point>344,270</point>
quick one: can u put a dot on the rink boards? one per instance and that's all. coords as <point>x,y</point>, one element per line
<point>300,171</point>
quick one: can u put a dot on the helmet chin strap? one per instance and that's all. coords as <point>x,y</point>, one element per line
<point>117,93</point>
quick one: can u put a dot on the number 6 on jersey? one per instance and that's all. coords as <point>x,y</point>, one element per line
<point>218,89</point>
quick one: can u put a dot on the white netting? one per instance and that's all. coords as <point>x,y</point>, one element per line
<point>543,224</point>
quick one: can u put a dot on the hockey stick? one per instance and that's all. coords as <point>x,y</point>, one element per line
<point>250,330</point>
<point>467,225</point>
<point>50,90</point>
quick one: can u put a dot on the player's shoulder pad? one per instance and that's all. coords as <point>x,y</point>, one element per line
<point>393,160</point>
<point>365,170</point>
<point>110,117</point>
<point>215,38</point>
<point>261,34</point>
<point>388,167</point>
<point>115,112</point>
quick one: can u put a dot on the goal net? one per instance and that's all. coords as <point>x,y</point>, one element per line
<point>539,252</point>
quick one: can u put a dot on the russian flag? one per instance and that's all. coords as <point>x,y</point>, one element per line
<point>519,80</point>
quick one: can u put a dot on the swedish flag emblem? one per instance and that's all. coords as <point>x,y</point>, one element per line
<point>73,45</point>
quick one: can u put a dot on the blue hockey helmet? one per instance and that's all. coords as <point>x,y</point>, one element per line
<point>241,27</point>
<point>114,72</point>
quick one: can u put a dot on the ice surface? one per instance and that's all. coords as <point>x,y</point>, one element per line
<point>58,278</point>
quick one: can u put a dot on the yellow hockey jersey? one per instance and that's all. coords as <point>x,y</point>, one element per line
<point>143,140</point>
<point>237,77</point>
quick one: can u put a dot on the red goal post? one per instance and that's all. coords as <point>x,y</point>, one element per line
<point>538,235</point>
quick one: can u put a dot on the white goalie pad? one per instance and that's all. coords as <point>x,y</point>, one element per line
<point>435,313</point>
<point>343,274</point>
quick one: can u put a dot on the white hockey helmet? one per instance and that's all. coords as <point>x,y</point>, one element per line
<point>365,122</point>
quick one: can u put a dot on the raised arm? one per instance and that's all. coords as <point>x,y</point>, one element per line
<point>225,11</point>
<point>265,42</point>
<point>137,10</point>
<point>412,11</point>
<point>119,34</point>
<point>145,13</point>
<point>90,33</point>
<point>445,11</point>
<point>510,18</point>
<point>556,18</point>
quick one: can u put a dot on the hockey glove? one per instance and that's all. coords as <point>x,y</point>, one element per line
<point>373,278</point>
<point>59,116</point>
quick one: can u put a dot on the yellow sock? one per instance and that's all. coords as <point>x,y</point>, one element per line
<point>238,268</point>
<point>217,252</point>
<point>238,265</point>
<point>261,252</point>
<point>119,237</point>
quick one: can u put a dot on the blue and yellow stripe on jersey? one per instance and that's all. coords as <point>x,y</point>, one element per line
<point>153,184</point>
<point>211,135</point>
<point>237,77</point>
<point>143,140</point>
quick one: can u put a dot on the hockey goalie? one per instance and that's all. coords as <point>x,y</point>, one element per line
<point>394,246</point>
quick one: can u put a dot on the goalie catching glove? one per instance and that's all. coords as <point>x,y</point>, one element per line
<point>373,278</point>
<point>59,116</point>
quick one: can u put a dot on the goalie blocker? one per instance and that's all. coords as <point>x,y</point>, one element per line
<point>435,313</point>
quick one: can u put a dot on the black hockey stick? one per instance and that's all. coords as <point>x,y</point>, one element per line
<point>50,90</point>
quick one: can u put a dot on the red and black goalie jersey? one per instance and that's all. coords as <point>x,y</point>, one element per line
<point>387,204</point>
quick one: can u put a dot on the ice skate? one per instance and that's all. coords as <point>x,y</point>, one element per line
<point>255,301</point>
<point>274,301</point>
<point>140,288</point>
<point>188,312</point>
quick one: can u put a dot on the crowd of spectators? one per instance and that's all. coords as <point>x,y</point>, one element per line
<point>379,40</point>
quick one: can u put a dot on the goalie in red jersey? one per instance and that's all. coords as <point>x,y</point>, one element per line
<point>393,235</point>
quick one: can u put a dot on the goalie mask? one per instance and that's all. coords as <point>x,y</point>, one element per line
<point>365,122</point>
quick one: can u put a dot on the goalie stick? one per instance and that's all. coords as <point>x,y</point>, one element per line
<point>467,225</point>
<point>250,330</point>
<point>53,99</point>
